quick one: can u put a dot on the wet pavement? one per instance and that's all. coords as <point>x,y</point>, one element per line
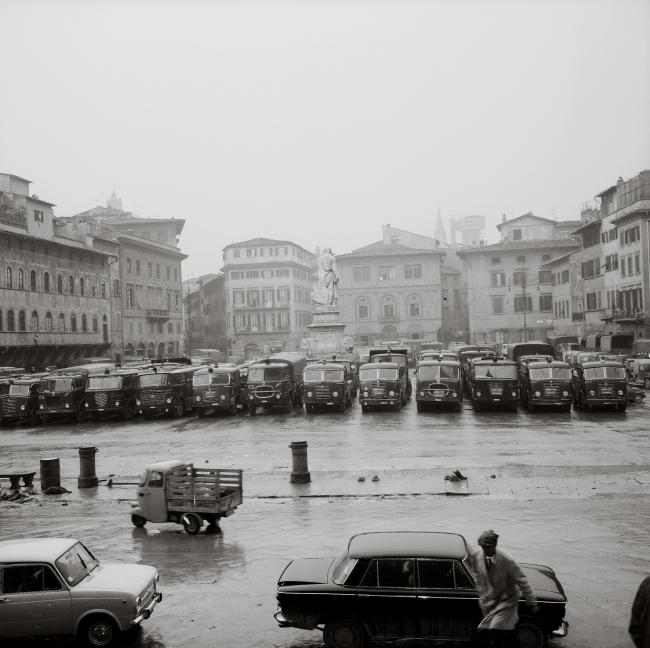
<point>568,490</point>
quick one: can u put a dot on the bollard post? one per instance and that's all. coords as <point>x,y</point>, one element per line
<point>87,476</point>
<point>300,473</point>
<point>50,473</point>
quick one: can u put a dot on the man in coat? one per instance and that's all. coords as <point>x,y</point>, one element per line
<point>640,620</point>
<point>500,583</point>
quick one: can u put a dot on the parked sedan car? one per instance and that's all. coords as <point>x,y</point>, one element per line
<point>56,587</point>
<point>405,585</point>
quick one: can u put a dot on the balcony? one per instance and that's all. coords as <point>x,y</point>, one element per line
<point>629,315</point>
<point>157,314</point>
<point>13,217</point>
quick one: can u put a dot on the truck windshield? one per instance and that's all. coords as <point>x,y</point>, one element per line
<point>396,358</point>
<point>505,372</point>
<point>323,375</point>
<point>594,373</point>
<point>202,380</point>
<point>153,380</point>
<point>76,563</point>
<point>260,374</point>
<point>19,390</point>
<point>545,373</point>
<point>387,373</point>
<point>101,383</point>
<point>441,372</point>
<point>57,385</point>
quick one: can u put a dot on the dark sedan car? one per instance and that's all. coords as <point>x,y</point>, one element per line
<point>405,585</point>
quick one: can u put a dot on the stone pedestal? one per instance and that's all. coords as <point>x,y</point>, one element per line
<point>326,334</point>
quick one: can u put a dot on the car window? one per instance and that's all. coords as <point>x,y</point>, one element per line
<point>28,578</point>
<point>396,573</point>
<point>463,581</point>
<point>436,574</point>
<point>155,479</point>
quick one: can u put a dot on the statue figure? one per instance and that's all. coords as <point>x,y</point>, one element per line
<point>328,280</point>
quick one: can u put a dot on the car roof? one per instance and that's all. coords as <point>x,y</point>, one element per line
<point>407,544</point>
<point>34,549</point>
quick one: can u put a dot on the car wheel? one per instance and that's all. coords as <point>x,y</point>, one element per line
<point>138,521</point>
<point>192,523</point>
<point>98,631</point>
<point>528,634</point>
<point>344,633</point>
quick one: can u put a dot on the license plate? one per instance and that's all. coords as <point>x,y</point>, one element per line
<point>101,409</point>
<point>264,401</point>
<point>437,399</point>
<point>496,400</point>
<point>331,403</point>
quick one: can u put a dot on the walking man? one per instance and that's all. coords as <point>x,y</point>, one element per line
<point>500,583</point>
<point>640,619</point>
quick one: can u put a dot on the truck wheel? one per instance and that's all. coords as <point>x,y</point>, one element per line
<point>129,412</point>
<point>420,406</point>
<point>621,407</point>
<point>192,523</point>
<point>200,412</point>
<point>344,633</point>
<point>178,409</point>
<point>80,414</point>
<point>138,521</point>
<point>252,409</point>
<point>638,398</point>
<point>646,383</point>
<point>364,408</point>
<point>98,631</point>
<point>233,409</point>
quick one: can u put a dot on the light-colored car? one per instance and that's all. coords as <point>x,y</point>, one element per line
<point>56,587</point>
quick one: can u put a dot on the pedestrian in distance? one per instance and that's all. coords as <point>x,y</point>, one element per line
<point>640,619</point>
<point>500,584</point>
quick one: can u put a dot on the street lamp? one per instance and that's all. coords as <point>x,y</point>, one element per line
<point>523,277</point>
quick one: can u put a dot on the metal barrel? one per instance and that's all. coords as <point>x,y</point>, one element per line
<point>50,473</point>
<point>300,473</point>
<point>87,476</point>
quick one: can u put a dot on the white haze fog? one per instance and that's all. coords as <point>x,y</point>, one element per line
<point>320,121</point>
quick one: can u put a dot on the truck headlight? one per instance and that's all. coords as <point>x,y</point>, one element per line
<point>137,403</point>
<point>391,393</point>
<point>67,405</point>
<point>168,401</point>
<point>620,392</point>
<point>514,394</point>
<point>335,394</point>
<point>22,407</point>
<point>85,404</point>
<point>138,603</point>
<point>454,394</point>
<point>478,393</point>
<point>309,394</point>
<point>421,393</point>
<point>365,395</point>
<point>198,399</point>
<point>117,403</point>
<point>565,393</point>
<point>538,393</point>
<point>223,397</point>
<point>277,396</point>
<point>251,397</point>
<point>41,406</point>
<point>592,393</point>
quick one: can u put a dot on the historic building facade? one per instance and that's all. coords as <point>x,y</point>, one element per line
<point>268,286</point>
<point>55,283</point>
<point>390,291</point>
<point>205,315</point>
<point>149,282</point>
<point>510,291</point>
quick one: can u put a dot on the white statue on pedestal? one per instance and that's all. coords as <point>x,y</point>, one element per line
<point>327,293</point>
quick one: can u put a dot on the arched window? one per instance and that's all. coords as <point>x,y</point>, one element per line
<point>160,328</point>
<point>414,306</point>
<point>73,323</point>
<point>11,323</point>
<point>82,286</point>
<point>84,323</point>
<point>21,321</point>
<point>363,309</point>
<point>388,308</point>
<point>46,282</point>
<point>21,279</point>
<point>129,351</point>
<point>71,285</point>
<point>34,321</point>
<point>10,278</point>
<point>48,322</point>
<point>32,280</point>
<point>59,284</point>
<point>170,328</point>
<point>61,322</point>
<point>170,348</point>
<point>95,326</point>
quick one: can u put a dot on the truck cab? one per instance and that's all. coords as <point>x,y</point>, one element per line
<point>602,383</point>
<point>399,357</point>
<point>381,385</point>
<point>21,402</point>
<point>112,394</point>
<point>276,382</point>
<point>438,382</point>
<point>218,387</point>
<point>493,382</point>
<point>545,382</point>
<point>327,385</point>
<point>167,389</point>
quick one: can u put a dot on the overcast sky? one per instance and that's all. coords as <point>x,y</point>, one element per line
<point>321,121</point>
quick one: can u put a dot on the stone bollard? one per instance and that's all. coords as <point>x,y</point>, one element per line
<point>300,473</point>
<point>87,476</point>
<point>50,473</point>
